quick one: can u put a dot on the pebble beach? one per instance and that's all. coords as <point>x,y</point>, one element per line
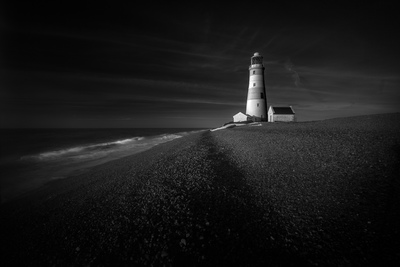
<point>323,193</point>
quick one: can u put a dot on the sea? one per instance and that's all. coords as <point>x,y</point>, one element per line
<point>30,158</point>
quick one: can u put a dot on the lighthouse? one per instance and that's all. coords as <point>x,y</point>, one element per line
<point>256,98</point>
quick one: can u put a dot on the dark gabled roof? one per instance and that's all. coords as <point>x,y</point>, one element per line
<point>283,110</point>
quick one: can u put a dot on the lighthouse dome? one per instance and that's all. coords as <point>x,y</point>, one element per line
<point>256,54</point>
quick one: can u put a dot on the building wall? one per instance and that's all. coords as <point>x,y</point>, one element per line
<point>285,118</point>
<point>240,117</point>
<point>270,115</point>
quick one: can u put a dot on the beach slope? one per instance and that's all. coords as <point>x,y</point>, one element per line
<point>313,193</point>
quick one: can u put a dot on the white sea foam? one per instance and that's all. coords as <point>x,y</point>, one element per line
<point>169,137</point>
<point>102,150</point>
<point>80,152</point>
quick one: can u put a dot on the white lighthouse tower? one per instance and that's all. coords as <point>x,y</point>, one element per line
<point>256,98</point>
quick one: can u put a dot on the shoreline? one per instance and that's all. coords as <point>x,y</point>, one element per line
<point>305,194</point>
<point>31,172</point>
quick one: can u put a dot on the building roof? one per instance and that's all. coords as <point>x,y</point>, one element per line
<point>282,110</point>
<point>242,114</point>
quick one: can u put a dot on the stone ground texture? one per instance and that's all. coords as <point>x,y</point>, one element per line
<point>314,193</point>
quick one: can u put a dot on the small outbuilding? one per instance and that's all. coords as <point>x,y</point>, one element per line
<point>285,114</point>
<point>239,117</point>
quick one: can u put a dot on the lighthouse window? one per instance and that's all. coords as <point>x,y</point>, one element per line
<point>254,84</point>
<point>258,104</point>
<point>262,95</point>
<point>254,72</point>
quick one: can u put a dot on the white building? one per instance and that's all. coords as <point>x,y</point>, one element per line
<point>239,117</point>
<point>285,114</point>
<point>256,98</point>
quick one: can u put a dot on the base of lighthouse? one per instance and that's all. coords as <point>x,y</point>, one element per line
<point>257,108</point>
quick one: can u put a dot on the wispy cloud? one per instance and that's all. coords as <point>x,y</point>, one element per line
<point>290,67</point>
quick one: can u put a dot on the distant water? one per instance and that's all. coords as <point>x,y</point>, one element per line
<point>31,157</point>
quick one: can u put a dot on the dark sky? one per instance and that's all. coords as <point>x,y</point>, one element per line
<point>110,64</point>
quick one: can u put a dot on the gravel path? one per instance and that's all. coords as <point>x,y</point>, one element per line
<point>318,193</point>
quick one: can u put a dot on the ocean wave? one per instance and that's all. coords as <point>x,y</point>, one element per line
<point>102,150</point>
<point>80,152</point>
